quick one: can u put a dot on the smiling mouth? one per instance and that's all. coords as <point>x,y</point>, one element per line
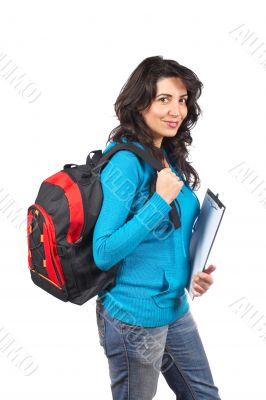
<point>171,124</point>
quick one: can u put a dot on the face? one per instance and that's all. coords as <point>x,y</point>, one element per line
<point>167,111</point>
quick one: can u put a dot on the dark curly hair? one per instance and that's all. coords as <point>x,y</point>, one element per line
<point>138,93</point>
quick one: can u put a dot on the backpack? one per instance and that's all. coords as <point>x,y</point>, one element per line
<point>60,228</point>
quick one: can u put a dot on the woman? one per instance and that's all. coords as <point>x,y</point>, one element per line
<point>144,321</point>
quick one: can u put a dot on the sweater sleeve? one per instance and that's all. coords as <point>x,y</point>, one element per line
<point>113,237</point>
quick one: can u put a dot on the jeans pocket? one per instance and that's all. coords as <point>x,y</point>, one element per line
<point>100,323</point>
<point>185,324</point>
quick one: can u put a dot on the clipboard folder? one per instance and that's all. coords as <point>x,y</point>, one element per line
<point>204,233</point>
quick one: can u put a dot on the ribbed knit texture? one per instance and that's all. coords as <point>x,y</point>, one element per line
<point>153,255</point>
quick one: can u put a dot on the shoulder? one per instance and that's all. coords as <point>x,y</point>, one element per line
<point>122,156</point>
<point>124,162</point>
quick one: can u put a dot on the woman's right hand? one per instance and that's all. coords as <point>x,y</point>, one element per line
<point>168,185</point>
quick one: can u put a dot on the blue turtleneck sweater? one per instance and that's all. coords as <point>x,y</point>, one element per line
<point>153,255</point>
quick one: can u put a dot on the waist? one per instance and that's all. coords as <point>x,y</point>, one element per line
<point>149,311</point>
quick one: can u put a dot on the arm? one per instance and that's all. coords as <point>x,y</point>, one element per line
<point>113,237</point>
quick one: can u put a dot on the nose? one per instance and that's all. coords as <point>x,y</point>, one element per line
<point>174,109</point>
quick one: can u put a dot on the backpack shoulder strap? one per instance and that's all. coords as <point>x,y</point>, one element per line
<point>147,156</point>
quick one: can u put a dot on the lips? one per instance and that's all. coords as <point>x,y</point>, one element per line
<point>171,124</point>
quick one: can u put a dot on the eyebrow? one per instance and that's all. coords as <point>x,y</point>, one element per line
<point>167,94</point>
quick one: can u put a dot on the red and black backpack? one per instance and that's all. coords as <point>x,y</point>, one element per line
<point>60,226</point>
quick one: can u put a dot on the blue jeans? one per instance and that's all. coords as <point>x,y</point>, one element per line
<point>137,355</point>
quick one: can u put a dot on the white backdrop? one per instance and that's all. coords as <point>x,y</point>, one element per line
<point>74,58</point>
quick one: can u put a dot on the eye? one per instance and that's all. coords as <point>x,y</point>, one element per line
<point>162,99</point>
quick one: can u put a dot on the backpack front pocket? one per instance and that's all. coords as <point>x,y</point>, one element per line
<point>43,256</point>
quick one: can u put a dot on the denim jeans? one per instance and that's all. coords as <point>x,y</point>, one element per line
<point>137,355</point>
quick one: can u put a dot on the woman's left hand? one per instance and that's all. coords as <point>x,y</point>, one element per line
<point>202,281</point>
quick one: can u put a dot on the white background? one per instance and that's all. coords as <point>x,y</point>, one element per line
<point>80,54</point>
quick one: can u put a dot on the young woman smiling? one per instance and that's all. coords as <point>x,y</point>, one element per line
<point>144,321</point>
